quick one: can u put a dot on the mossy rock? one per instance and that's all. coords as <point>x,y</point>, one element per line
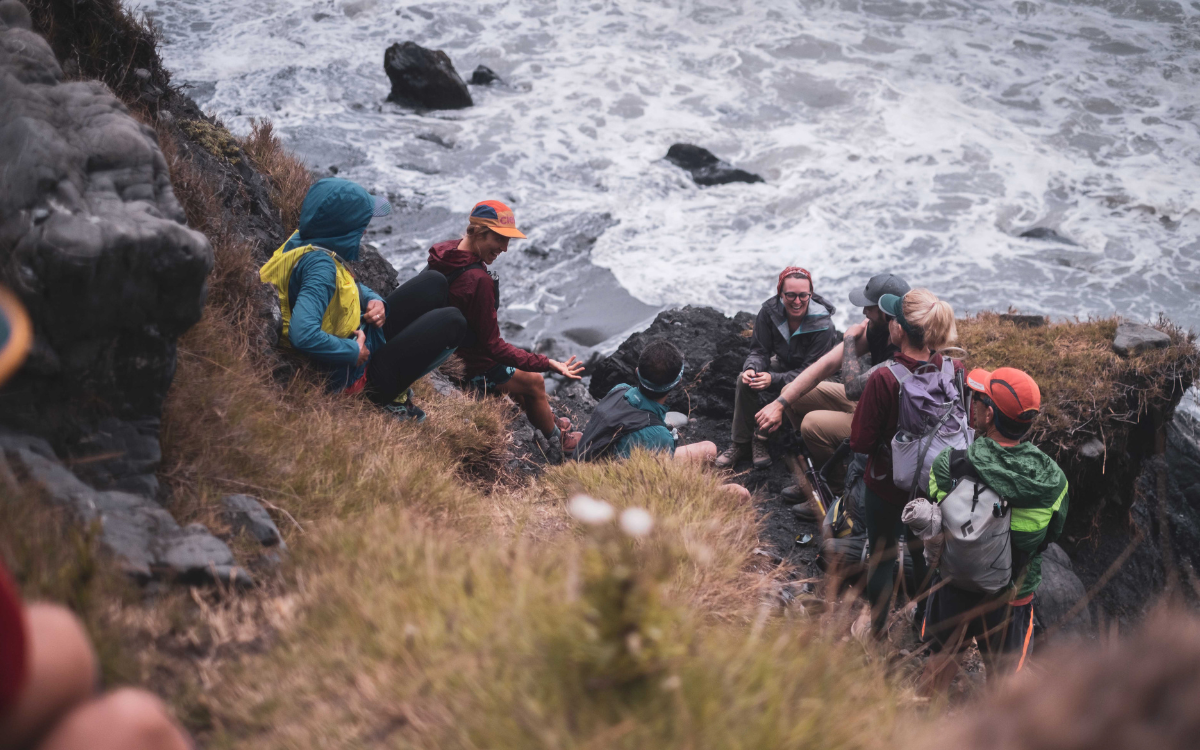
<point>214,139</point>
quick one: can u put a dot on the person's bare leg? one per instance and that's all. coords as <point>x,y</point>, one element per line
<point>529,390</point>
<point>62,674</point>
<point>122,720</point>
<point>738,491</point>
<point>703,452</point>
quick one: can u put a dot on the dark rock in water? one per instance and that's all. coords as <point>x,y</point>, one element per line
<point>94,243</point>
<point>484,75</point>
<point>1060,591</point>
<point>714,347</point>
<point>1135,338</point>
<point>1045,233</point>
<point>374,272</point>
<point>1024,321</point>
<point>705,168</point>
<point>246,513</point>
<point>424,77</point>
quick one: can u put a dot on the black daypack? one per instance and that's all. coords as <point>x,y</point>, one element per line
<point>613,418</point>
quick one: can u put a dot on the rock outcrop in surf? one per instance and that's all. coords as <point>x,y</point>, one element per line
<point>705,168</point>
<point>424,77</point>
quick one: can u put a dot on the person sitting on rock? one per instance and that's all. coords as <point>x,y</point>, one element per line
<point>362,341</point>
<point>821,409</point>
<point>492,364</point>
<point>631,417</point>
<point>792,331</point>
<point>1006,401</point>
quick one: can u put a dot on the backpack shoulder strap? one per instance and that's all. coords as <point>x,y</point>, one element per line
<point>453,275</point>
<point>899,371</point>
<point>960,466</point>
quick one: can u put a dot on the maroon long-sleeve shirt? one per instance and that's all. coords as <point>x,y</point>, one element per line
<point>875,421</point>
<point>473,294</point>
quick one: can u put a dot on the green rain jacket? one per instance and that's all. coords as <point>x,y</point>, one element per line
<point>1036,490</point>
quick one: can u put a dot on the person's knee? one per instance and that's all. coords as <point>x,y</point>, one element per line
<point>61,651</point>
<point>738,491</point>
<point>126,718</point>
<point>435,285</point>
<point>454,326</point>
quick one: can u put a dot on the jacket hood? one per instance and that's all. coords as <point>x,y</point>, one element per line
<point>445,256</point>
<point>1021,474</point>
<point>818,318</point>
<point>334,215</point>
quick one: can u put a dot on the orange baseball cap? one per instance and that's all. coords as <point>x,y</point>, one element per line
<point>1014,393</point>
<point>497,217</point>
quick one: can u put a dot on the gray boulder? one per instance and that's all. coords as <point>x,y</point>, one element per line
<point>1059,592</point>
<point>424,77</point>
<point>94,243</point>
<point>705,167</point>
<point>142,536</point>
<point>245,513</point>
<point>1135,338</point>
<point>374,272</point>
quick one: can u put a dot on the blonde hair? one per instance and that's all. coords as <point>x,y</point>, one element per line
<point>932,316</point>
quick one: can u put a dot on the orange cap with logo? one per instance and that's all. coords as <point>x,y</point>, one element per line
<point>1015,394</point>
<point>497,217</point>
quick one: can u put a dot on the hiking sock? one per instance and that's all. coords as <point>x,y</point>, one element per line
<point>556,434</point>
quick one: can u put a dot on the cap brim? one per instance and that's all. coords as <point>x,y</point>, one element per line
<point>890,304</point>
<point>979,379</point>
<point>858,298</point>
<point>511,232</point>
<point>382,206</point>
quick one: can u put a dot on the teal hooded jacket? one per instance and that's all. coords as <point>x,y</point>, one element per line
<point>334,216</point>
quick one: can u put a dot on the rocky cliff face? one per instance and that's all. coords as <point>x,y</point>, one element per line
<point>94,243</point>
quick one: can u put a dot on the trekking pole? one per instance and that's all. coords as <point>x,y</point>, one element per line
<point>821,493</point>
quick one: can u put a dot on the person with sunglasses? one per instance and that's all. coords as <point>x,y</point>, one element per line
<point>793,330</point>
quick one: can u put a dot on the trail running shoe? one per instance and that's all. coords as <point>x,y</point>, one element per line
<point>734,453</point>
<point>404,409</point>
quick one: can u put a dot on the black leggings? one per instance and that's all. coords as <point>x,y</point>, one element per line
<point>419,328</point>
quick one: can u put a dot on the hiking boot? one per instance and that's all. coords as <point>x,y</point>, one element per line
<point>759,454</point>
<point>734,453</point>
<point>563,423</point>
<point>570,440</point>
<point>805,511</point>
<point>791,493</point>
<point>404,409</point>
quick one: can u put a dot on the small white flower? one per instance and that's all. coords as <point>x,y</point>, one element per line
<point>636,522</point>
<point>589,510</point>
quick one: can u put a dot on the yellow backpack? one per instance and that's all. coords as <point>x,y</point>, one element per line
<point>342,316</point>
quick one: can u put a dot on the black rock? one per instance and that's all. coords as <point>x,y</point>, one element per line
<point>375,273</point>
<point>1024,321</point>
<point>714,347</point>
<point>424,77</point>
<point>705,168</point>
<point>94,242</point>
<point>484,75</point>
<point>1045,233</point>
<point>1059,593</point>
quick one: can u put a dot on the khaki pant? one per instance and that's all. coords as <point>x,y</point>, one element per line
<point>822,415</point>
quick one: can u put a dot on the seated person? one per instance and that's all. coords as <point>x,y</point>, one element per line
<point>821,409</point>
<point>793,329</point>
<point>493,364</point>
<point>632,416</point>
<point>1005,403</point>
<point>361,341</point>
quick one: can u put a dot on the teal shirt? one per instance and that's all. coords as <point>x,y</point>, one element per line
<point>653,438</point>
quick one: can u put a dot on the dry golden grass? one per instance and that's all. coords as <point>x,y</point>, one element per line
<point>289,178</point>
<point>1087,390</point>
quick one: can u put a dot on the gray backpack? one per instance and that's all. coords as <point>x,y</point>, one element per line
<point>932,418</point>
<point>977,555</point>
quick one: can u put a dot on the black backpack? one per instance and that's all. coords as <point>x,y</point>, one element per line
<point>613,418</point>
